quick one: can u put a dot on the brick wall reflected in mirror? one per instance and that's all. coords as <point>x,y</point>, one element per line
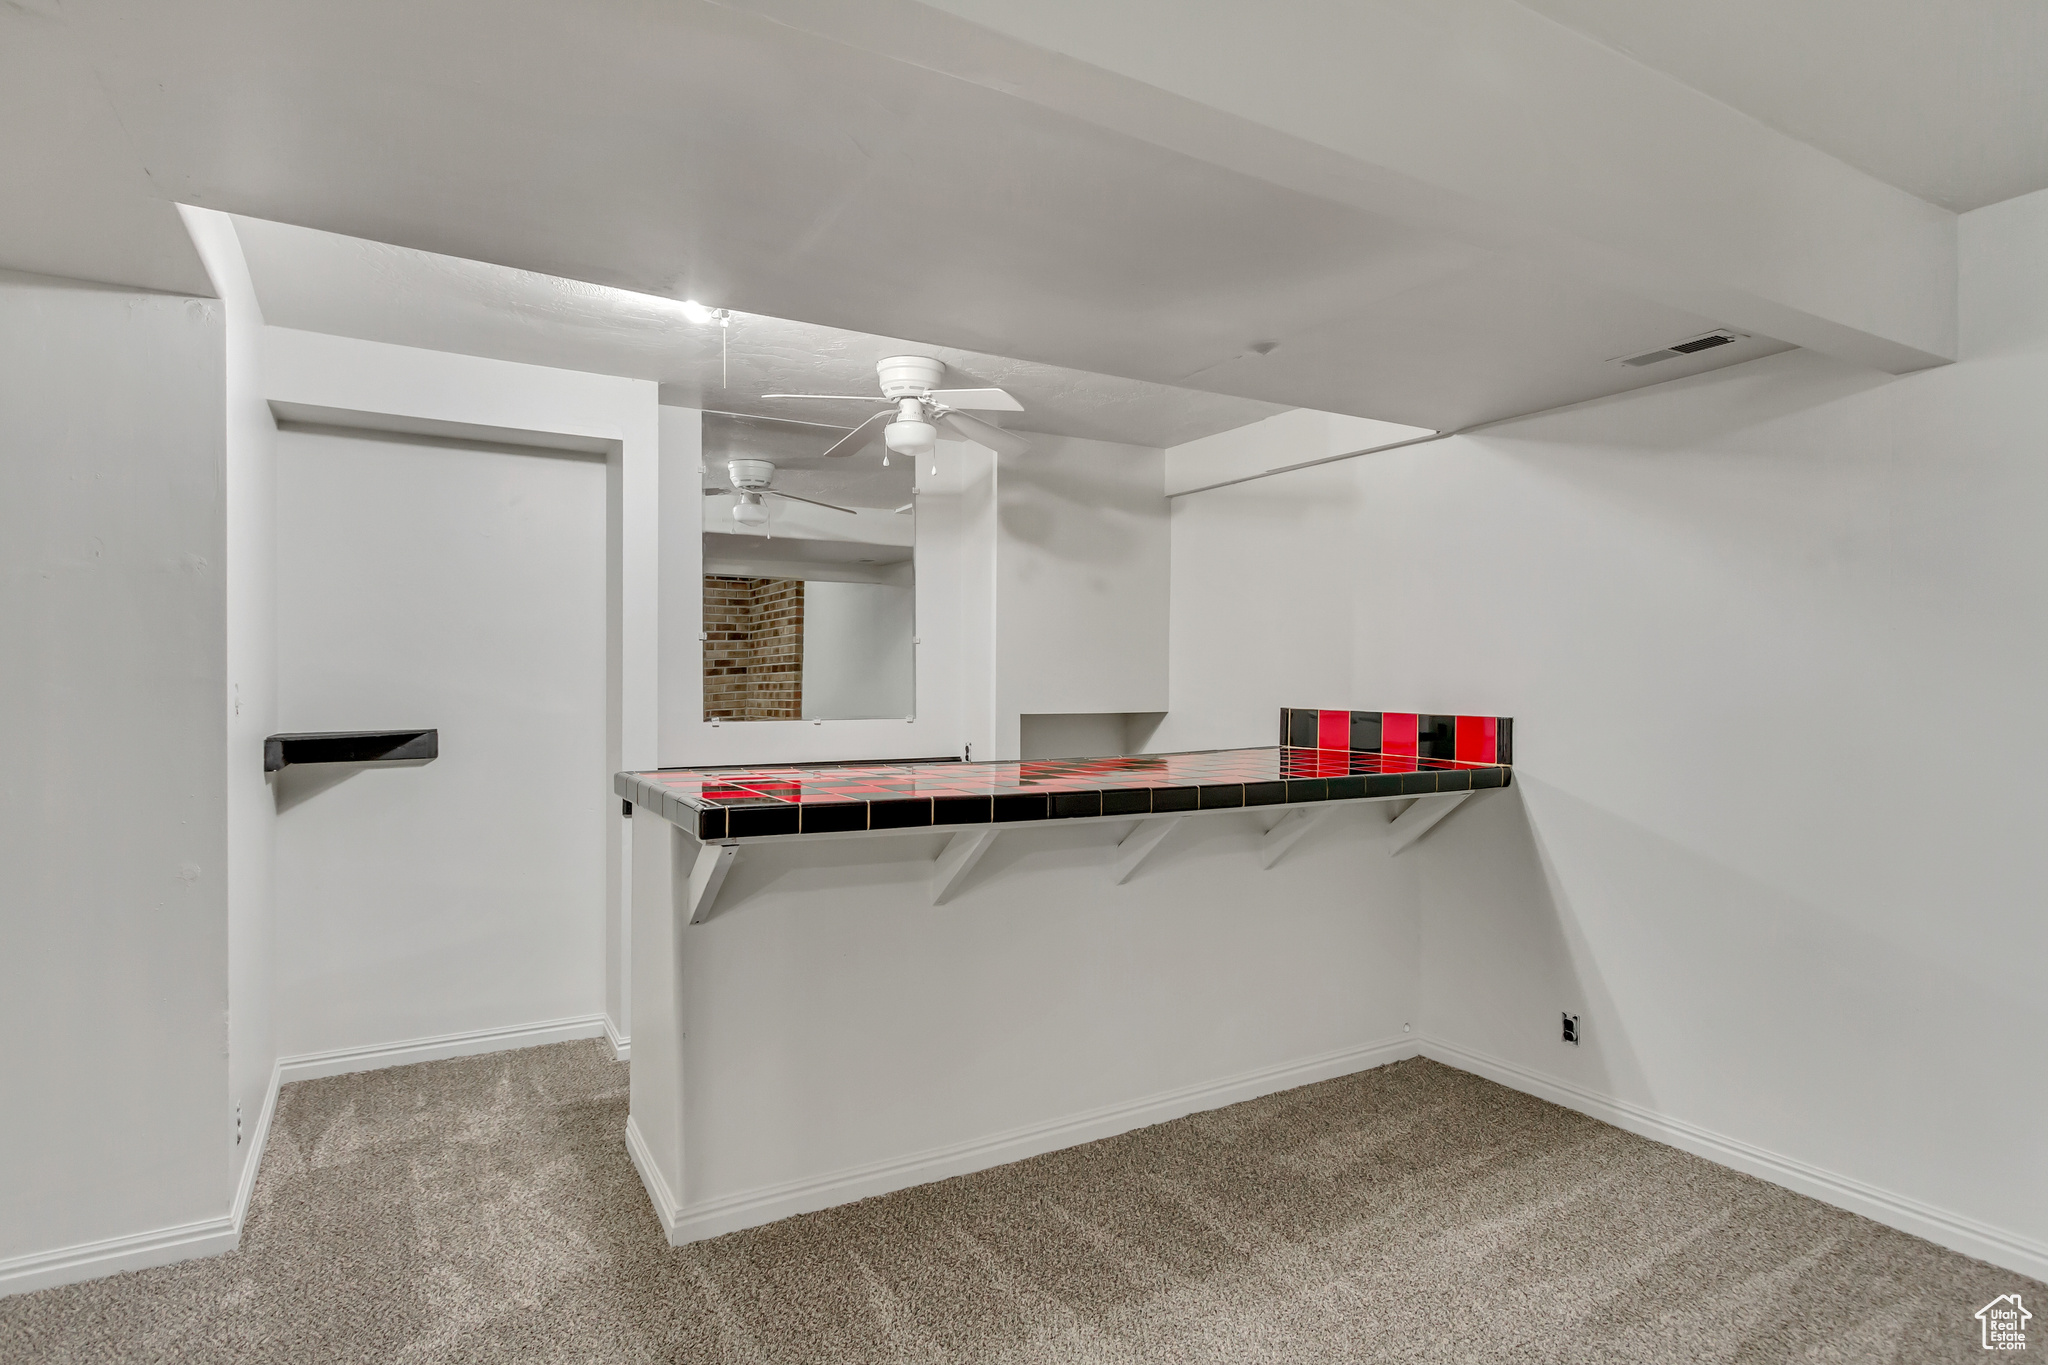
<point>753,648</point>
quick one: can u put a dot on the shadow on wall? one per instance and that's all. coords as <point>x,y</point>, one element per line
<point>300,783</point>
<point>1504,957</point>
<point>1066,511</point>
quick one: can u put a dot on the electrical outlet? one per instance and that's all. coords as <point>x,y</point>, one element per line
<point>1572,1031</point>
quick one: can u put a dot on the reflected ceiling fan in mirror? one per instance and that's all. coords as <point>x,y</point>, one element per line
<point>750,480</point>
<point>918,410</point>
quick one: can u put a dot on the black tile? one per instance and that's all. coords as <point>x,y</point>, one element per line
<point>962,810</point>
<point>1417,784</point>
<point>1382,784</point>
<point>1454,780</point>
<point>746,822</point>
<point>1298,728</point>
<point>1504,740</point>
<point>1488,777</point>
<point>1076,805</point>
<point>1436,737</point>
<point>1021,806</point>
<point>1222,795</point>
<point>1349,788</point>
<point>711,824</point>
<point>1365,731</point>
<point>1308,789</point>
<point>906,814</point>
<point>1264,793</point>
<point>1175,798</point>
<point>834,817</point>
<point>1127,802</point>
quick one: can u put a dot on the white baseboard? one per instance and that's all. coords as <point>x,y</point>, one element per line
<point>259,1138</point>
<point>213,1236</point>
<point>751,1208</point>
<point>341,1061</point>
<point>658,1192</point>
<point>142,1250</point>
<point>139,1251</point>
<point>1987,1243</point>
<point>622,1046</point>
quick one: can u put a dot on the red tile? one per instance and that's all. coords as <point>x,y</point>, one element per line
<point>1333,729</point>
<point>1476,738</point>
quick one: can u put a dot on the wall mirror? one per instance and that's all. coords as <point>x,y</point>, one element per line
<point>809,589</point>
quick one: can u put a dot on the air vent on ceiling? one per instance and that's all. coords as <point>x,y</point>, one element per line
<point>1691,346</point>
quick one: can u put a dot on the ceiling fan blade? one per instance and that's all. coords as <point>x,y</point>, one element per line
<point>841,397</point>
<point>977,400</point>
<point>860,435</point>
<point>716,492</point>
<point>995,438</point>
<point>828,506</point>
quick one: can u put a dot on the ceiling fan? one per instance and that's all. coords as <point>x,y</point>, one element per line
<point>750,480</point>
<point>918,410</point>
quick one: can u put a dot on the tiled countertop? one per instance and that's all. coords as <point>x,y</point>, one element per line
<point>749,803</point>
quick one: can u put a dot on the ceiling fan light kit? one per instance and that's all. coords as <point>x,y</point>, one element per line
<point>910,436</point>
<point>906,382</point>
<point>750,479</point>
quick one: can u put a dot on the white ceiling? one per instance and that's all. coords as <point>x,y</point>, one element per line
<point>324,282</point>
<point>1946,99</point>
<point>74,198</point>
<point>691,149</point>
<point>1433,212</point>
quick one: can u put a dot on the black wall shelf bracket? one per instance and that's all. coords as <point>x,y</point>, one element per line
<point>350,746</point>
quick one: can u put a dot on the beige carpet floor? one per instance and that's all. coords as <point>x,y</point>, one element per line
<point>484,1209</point>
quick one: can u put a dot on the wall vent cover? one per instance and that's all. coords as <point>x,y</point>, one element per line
<point>1707,341</point>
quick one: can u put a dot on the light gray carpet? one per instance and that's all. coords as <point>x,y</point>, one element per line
<point>485,1210</point>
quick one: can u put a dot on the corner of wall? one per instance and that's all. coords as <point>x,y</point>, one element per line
<point>251,701</point>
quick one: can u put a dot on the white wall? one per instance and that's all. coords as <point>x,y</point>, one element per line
<point>857,656</point>
<point>1264,575</point>
<point>1082,582</point>
<point>1772,640</point>
<point>114,954</point>
<point>458,586</point>
<point>828,1033</point>
<point>251,700</point>
<point>1089,735</point>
